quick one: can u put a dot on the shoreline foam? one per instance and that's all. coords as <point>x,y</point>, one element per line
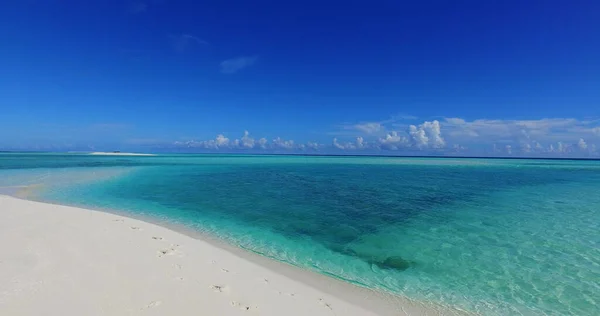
<point>128,266</point>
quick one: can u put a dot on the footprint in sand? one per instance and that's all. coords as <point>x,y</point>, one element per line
<point>152,304</point>
<point>135,228</point>
<point>224,270</point>
<point>168,251</point>
<point>322,302</point>
<point>219,288</point>
<point>157,238</point>
<point>241,306</point>
<point>118,220</point>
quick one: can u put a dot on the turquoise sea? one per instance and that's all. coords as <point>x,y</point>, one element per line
<point>490,236</point>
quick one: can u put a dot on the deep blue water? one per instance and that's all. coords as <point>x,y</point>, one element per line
<point>496,237</point>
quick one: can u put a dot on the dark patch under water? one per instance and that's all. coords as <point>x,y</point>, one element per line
<point>394,262</point>
<point>352,201</point>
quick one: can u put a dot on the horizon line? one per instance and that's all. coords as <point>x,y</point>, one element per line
<point>314,155</point>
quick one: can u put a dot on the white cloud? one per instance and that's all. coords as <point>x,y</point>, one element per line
<point>548,136</point>
<point>283,144</point>
<point>219,142</point>
<point>373,128</point>
<point>393,141</point>
<point>433,129</point>
<point>560,148</point>
<point>368,128</point>
<point>234,65</point>
<point>358,144</point>
<point>427,135</point>
<point>457,148</point>
<point>424,136</point>
<point>309,146</point>
<point>581,144</point>
<point>222,141</point>
<point>544,137</point>
<point>418,137</point>
<point>543,130</point>
<point>247,141</point>
<point>262,143</point>
<point>313,145</point>
<point>455,120</point>
<point>339,145</point>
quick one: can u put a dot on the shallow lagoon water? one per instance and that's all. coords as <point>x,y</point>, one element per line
<point>495,237</point>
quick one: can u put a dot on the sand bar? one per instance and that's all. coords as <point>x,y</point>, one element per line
<point>60,260</point>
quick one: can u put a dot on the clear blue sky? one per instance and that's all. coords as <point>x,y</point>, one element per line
<point>504,77</point>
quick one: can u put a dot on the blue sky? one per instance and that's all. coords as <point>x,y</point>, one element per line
<point>390,77</point>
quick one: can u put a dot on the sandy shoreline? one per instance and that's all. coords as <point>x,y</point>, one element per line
<point>60,260</point>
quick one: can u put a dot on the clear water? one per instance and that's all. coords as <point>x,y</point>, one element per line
<point>496,237</point>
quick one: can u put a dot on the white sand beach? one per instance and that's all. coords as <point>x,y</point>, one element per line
<point>60,260</point>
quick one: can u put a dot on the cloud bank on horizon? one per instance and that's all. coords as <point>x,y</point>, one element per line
<point>555,137</point>
<point>403,135</point>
